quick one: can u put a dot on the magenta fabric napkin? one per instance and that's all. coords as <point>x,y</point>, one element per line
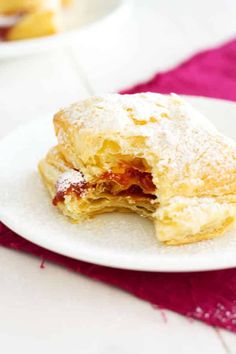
<point>207,296</point>
<point>211,73</point>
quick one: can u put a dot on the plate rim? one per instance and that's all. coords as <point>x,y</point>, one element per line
<point>163,264</point>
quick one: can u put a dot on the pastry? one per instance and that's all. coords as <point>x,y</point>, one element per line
<point>20,19</point>
<point>147,153</point>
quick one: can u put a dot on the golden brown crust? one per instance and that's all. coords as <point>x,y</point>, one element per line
<point>36,24</point>
<point>192,166</point>
<point>31,18</point>
<point>10,7</point>
<point>207,235</point>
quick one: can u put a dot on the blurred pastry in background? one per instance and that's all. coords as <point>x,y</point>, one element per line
<point>21,19</point>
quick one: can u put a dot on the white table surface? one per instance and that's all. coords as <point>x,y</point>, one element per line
<point>52,310</point>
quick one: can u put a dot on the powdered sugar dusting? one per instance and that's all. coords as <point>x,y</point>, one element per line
<point>69,178</point>
<point>186,145</point>
<point>137,113</point>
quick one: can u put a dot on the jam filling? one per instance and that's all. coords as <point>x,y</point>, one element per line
<point>78,189</point>
<point>7,23</point>
<point>135,192</point>
<point>4,32</point>
<point>137,184</point>
<point>132,177</point>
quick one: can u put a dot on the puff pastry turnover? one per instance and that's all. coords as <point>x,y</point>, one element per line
<point>147,153</point>
<point>20,19</point>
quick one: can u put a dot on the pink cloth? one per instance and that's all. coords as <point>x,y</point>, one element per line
<point>211,73</point>
<point>207,296</point>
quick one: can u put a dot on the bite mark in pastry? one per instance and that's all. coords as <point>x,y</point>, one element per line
<point>147,153</point>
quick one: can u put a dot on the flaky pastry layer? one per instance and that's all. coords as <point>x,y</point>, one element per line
<point>30,18</point>
<point>147,153</point>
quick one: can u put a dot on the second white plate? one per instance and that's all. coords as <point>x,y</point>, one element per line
<point>117,240</point>
<point>81,18</point>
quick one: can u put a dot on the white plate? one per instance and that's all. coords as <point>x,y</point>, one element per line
<point>117,240</point>
<point>81,18</point>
